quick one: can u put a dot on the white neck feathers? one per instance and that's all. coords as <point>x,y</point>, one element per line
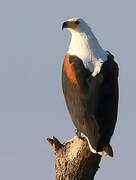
<point>85,46</point>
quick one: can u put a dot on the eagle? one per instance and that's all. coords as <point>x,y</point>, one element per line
<point>90,87</point>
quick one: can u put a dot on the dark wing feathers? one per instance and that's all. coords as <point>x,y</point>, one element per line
<point>92,101</point>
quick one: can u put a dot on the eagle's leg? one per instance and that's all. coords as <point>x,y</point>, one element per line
<point>77,132</point>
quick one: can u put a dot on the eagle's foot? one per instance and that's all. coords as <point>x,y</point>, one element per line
<point>77,133</point>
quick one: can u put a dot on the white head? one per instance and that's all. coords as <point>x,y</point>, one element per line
<point>76,24</point>
<point>84,44</point>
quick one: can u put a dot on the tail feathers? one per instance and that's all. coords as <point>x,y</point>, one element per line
<point>108,150</point>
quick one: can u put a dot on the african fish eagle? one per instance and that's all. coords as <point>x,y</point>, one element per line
<point>90,86</point>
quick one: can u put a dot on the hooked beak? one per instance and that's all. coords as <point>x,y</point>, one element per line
<point>64,25</point>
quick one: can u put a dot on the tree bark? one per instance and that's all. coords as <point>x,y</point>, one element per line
<point>74,161</point>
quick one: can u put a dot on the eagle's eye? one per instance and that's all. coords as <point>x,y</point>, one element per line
<point>77,22</point>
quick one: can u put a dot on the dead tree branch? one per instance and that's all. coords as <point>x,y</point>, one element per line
<point>74,161</point>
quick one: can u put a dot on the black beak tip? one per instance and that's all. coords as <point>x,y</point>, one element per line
<point>64,25</point>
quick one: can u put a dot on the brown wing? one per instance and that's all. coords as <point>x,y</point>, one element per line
<point>91,101</point>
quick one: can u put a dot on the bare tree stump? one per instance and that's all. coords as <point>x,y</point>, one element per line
<point>74,161</point>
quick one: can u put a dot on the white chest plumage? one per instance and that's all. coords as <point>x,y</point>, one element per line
<point>86,47</point>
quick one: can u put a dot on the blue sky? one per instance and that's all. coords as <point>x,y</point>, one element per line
<point>32,107</point>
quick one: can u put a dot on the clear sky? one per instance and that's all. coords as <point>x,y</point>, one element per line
<point>32,107</point>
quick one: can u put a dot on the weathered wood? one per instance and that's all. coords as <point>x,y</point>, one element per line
<point>74,161</point>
